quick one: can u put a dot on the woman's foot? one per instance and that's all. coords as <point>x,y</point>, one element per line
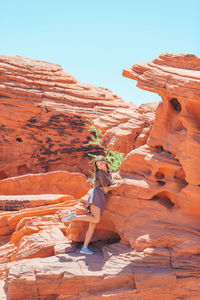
<point>86,250</point>
<point>68,218</point>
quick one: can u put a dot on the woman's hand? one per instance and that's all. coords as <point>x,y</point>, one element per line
<point>116,176</point>
<point>106,189</point>
<point>116,184</point>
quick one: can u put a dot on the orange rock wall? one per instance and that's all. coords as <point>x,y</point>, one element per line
<point>57,182</point>
<point>175,133</point>
<point>156,209</point>
<point>153,214</point>
<point>43,115</point>
<point>125,130</point>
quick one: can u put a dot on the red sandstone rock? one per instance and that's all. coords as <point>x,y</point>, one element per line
<point>6,251</point>
<point>58,182</point>
<point>175,77</point>
<point>47,131</point>
<point>38,243</point>
<point>68,276</point>
<point>64,247</point>
<point>5,230</point>
<point>3,290</point>
<point>11,222</point>
<point>155,213</point>
<point>125,130</point>
<point>111,275</point>
<point>157,205</point>
<point>38,211</point>
<point>176,80</point>
<point>18,202</point>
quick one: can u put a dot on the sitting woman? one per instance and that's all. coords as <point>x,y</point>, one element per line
<point>103,183</point>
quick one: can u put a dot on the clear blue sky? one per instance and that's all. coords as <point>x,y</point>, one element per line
<point>95,39</point>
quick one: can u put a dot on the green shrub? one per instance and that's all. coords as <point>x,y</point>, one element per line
<point>113,157</point>
<point>96,133</point>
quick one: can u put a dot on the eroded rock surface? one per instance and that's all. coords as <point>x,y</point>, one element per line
<point>125,130</point>
<point>176,78</point>
<point>57,182</point>
<point>44,113</point>
<point>156,210</point>
<point>151,219</point>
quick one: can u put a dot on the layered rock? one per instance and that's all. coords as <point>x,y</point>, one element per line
<point>44,114</point>
<point>126,130</point>
<point>36,206</point>
<point>156,209</point>
<point>176,78</point>
<point>69,277</point>
<point>58,182</point>
<point>43,117</point>
<point>153,215</point>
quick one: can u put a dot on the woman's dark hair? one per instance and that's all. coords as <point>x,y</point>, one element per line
<point>100,158</point>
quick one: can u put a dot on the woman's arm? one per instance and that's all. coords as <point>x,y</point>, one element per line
<point>106,189</point>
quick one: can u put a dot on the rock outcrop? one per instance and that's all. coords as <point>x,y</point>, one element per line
<point>57,182</point>
<point>156,210</point>
<point>125,130</point>
<point>44,114</point>
<point>176,78</point>
<point>148,240</point>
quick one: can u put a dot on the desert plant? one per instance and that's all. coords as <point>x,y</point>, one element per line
<point>95,132</point>
<point>113,157</point>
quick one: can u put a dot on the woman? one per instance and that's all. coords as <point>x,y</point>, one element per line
<point>103,183</point>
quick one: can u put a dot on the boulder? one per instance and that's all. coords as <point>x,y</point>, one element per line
<point>57,182</point>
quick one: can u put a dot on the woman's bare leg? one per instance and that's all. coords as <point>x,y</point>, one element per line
<point>94,218</point>
<point>96,211</point>
<point>89,234</point>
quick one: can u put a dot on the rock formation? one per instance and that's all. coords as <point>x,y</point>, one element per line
<point>148,240</point>
<point>176,79</point>
<point>44,114</point>
<point>57,182</point>
<point>125,130</point>
<point>156,210</point>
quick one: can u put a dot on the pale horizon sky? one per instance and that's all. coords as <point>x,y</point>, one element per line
<point>95,40</point>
